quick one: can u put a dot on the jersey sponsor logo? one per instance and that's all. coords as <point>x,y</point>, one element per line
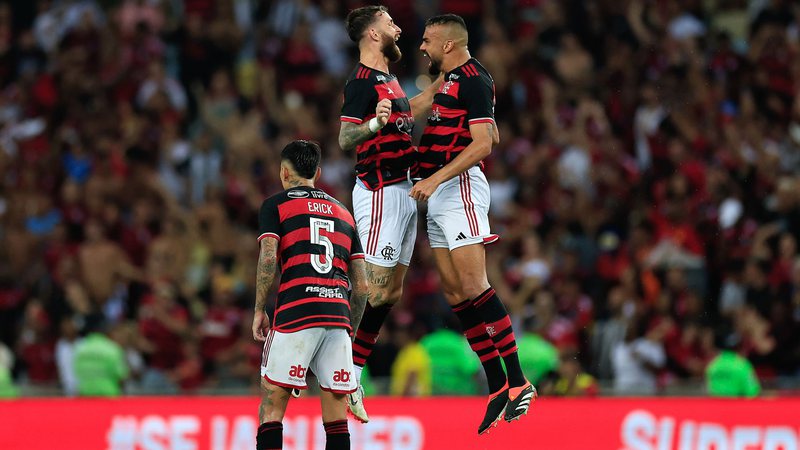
<point>461,236</point>
<point>325,292</point>
<point>341,376</point>
<point>297,371</point>
<point>404,123</point>
<point>297,194</point>
<point>388,252</point>
<point>316,194</point>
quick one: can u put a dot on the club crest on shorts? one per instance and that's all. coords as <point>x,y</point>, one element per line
<point>388,252</point>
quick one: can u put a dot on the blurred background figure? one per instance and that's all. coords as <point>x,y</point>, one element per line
<point>99,362</point>
<point>454,367</point>
<point>411,370</point>
<point>7,388</point>
<point>572,380</point>
<point>729,374</point>
<point>637,361</point>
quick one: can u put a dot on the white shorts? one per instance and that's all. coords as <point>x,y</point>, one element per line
<point>327,351</point>
<point>386,221</point>
<point>458,212</point>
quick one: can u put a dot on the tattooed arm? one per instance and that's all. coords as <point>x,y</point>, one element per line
<point>265,276</point>
<point>351,134</point>
<point>360,295</point>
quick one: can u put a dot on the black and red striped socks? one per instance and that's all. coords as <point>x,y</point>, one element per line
<point>337,436</point>
<point>498,328</point>
<point>367,333</point>
<point>481,344</point>
<point>270,436</point>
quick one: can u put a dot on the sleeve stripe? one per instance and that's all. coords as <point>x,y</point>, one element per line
<point>356,256</point>
<point>355,120</point>
<point>268,234</point>
<point>481,120</point>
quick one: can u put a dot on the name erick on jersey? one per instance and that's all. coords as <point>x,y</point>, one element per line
<point>317,239</point>
<point>465,98</point>
<point>386,157</point>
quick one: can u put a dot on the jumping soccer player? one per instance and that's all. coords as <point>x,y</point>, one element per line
<point>376,122</point>
<point>459,134</point>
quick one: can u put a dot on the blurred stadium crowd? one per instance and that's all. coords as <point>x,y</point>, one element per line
<point>646,186</point>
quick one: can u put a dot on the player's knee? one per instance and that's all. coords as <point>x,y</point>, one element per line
<point>474,287</point>
<point>452,294</point>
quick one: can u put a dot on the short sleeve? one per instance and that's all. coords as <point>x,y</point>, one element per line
<point>479,101</point>
<point>269,220</point>
<point>359,96</point>
<point>356,251</point>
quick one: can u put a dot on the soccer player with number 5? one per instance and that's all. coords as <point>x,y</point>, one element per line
<point>312,238</point>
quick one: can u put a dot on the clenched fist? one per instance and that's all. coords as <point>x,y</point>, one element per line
<point>383,111</point>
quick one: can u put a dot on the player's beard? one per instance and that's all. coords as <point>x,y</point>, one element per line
<point>390,49</point>
<point>435,68</point>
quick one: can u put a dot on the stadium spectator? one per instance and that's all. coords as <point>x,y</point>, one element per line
<point>412,368</point>
<point>638,359</point>
<point>7,388</point>
<point>99,362</point>
<point>452,362</point>
<point>65,355</point>
<point>572,380</point>
<point>537,356</point>
<point>730,374</point>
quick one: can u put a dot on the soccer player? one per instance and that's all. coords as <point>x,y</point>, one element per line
<point>377,120</point>
<point>459,134</point>
<point>320,259</point>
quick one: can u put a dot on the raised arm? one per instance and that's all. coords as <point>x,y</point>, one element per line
<point>360,295</point>
<point>265,277</point>
<point>352,134</point>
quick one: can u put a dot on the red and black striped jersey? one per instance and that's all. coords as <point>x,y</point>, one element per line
<point>317,240</point>
<point>465,98</point>
<point>385,158</point>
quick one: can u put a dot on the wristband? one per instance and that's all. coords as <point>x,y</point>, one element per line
<point>374,125</point>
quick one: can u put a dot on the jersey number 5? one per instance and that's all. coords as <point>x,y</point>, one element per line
<point>320,239</point>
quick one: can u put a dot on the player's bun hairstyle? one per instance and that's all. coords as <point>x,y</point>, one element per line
<point>446,19</point>
<point>360,18</point>
<point>304,156</point>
